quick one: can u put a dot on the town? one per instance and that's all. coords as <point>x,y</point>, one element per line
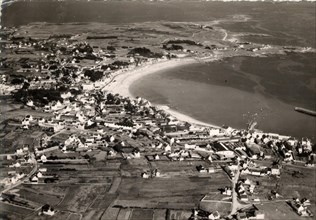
<point>71,149</point>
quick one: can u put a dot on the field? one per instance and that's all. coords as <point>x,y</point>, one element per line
<point>13,211</point>
<point>60,215</point>
<point>178,215</point>
<point>73,216</point>
<point>172,186</point>
<point>39,197</point>
<point>92,214</point>
<point>300,183</point>
<point>182,191</point>
<point>133,168</point>
<point>79,198</point>
<point>223,208</point>
<point>102,202</point>
<point>124,214</point>
<point>139,214</point>
<point>183,168</point>
<point>278,211</point>
<point>159,214</point>
<point>110,213</point>
<point>145,214</point>
<point>48,189</point>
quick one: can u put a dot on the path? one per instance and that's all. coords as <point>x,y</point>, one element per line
<point>236,205</point>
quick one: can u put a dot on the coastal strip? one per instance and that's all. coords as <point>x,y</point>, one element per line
<point>120,84</point>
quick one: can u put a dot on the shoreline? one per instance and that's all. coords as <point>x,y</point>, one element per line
<point>120,84</point>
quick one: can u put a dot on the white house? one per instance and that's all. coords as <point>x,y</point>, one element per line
<point>136,154</point>
<point>48,210</point>
<point>145,175</point>
<point>87,86</point>
<point>34,179</point>
<point>30,103</point>
<point>168,148</point>
<point>43,158</point>
<point>275,171</point>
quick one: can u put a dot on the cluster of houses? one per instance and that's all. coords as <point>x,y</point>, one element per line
<point>202,169</point>
<point>244,187</point>
<point>13,178</point>
<point>200,214</point>
<point>151,174</point>
<point>17,163</point>
<point>301,207</point>
<point>250,215</point>
<point>41,176</point>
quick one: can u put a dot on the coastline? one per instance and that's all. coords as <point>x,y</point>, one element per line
<point>121,82</point>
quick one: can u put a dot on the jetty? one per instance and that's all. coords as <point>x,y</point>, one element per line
<point>305,111</point>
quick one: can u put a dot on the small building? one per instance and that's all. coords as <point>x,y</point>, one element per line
<point>214,215</point>
<point>34,179</point>
<point>145,175</point>
<point>48,210</point>
<point>244,198</point>
<point>275,171</point>
<point>258,215</point>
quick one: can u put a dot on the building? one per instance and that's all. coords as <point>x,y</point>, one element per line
<point>48,210</point>
<point>275,171</point>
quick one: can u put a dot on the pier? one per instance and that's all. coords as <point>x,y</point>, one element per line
<point>305,111</point>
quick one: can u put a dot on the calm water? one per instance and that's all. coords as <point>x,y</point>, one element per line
<point>228,92</point>
<point>237,89</point>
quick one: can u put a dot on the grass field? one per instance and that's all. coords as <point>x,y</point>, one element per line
<point>142,214</point>
<point>278,211</point>
<point>110,214</point>
<point>159,214</point>
<point>39,197</point>
<point>92,214</point>
<point>178,215</point>
<point>300,183</point>
<point>222,207</point>
<point>60,215</point>
<point>73,216</point>
<point>124,214</point>
<point>14,211</point>
<point>47,189</point>
<point>179,185</point>
<point>102,202</point>
<point>79,198</point>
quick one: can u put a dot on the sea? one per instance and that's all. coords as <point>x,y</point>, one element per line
<point>229,92</point>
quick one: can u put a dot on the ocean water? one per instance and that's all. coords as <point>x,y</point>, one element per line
<point>233,91</point>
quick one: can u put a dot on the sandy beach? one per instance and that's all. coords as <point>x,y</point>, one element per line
<point>123,80</point>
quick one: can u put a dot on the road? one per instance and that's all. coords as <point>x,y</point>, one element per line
<point>235,203</point>
<point>234,193</point>
<point>225,34</point>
